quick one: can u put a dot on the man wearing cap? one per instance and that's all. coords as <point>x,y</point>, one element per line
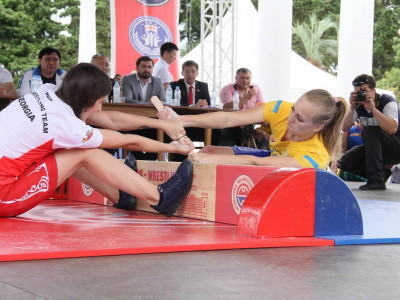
<point>379,116</point>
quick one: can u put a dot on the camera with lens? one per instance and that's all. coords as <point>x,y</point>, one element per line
<point>248,131</point>
<point>361,95</point>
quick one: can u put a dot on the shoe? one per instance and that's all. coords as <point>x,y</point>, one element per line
<point>127,201</point>
<point>373,184</point>
<point>173,190</point>
<point>388,173</point>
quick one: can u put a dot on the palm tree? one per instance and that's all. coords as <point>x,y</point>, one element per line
<point>311,36</point>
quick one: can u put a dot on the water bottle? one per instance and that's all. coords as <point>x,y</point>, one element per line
<point>213,99</point>
<point>34,84</point>
<point>39,81</point>
<point>236,100</point>
<point>116,92</point>
<point>177,96</point>
<point>168,93</point>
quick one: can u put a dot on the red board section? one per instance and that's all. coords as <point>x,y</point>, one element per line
<point>280,205</point>
<point>233,186</point>
<point>79,191</point>
<point>59,229</point>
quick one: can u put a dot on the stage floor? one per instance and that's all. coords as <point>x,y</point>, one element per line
<point>364,271</point>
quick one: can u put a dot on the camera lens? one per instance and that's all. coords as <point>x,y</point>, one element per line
<point>361,96</point>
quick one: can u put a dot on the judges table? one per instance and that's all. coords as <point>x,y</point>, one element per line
<point>5,100</point>
<point>148,110</point>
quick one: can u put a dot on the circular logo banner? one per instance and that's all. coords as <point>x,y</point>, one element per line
<point>153,2</point>
<point>87,190</point>
<point>240,189</point>
<point>147,34</point>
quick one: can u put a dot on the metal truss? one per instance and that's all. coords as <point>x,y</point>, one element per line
<point>218,37</point>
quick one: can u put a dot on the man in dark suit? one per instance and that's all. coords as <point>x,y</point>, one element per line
<point>142,85</point>
<point>193,92</point>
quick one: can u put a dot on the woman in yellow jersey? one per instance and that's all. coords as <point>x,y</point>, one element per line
<point>304,134</point>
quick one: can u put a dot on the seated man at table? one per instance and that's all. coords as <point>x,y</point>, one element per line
<point>101,61</point>
<point>7,88</point>
<point>193,92</point>
<point>250,95</point>
<point>48,69</point>
<point>142,85</point>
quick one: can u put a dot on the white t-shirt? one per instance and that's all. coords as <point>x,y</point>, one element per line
<point>37,124</point>
<point>161,70</point>
<point>5,75</point>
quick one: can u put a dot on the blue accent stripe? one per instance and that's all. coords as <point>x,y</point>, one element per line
<point>276,107</point>
<point>314,164</point>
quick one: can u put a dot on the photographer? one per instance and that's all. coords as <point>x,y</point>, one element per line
<point>379,116</point>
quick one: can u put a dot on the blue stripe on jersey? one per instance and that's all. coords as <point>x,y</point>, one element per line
<point>313,162</point>
<point>276,107</point>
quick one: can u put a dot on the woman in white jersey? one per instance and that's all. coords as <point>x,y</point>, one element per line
<point>44,139</point>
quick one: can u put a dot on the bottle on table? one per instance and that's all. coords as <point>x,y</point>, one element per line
<point>34,83</point>
<point>177,97</point>
<point>213,99</point>
<point>39,81</point>
<point>236,100</point>
<point>168,94</point>
<point>116,92</point>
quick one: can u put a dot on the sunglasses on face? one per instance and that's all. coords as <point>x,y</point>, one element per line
<point>360,82</point>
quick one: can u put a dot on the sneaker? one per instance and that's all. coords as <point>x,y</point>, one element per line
<point>373,184</point>
<point>173,190</point>
<point>127,201</point>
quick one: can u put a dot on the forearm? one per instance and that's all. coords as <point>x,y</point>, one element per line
<point>385,123</point>
<point>348,121</point>
<point>115,140</point>
<point>120,121</point>
<point>208,120</point>
<point>224,119</point>
<point>9,89</point>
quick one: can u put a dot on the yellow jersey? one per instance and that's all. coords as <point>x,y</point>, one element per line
<point>310,154</point>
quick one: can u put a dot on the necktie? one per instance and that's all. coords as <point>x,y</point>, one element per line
<point>191,95</point>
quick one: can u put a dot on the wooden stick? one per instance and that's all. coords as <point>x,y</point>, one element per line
<point>159,106</point>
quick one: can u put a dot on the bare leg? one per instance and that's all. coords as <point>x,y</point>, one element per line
<point>106,168</point>
<point>108,191</point>
<point>217,150</point>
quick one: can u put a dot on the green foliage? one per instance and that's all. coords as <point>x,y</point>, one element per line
<point>28,26</point>
<point>103,27</point>
<point>391,82</point>
<point>189,24</point>
<point>387,24</point>
<point>391,79</point>
<point>25,28</point>
<point>319,51</point>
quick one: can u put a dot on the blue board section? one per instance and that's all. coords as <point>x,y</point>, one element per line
<point>381,224</point>
<point>337,212</point>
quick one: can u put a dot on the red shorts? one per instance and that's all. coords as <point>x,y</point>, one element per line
<point>36,184</point>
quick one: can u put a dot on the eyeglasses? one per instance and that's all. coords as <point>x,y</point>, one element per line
<point>361,82</point>
<point>53,59</point>
<point>189,72</point>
